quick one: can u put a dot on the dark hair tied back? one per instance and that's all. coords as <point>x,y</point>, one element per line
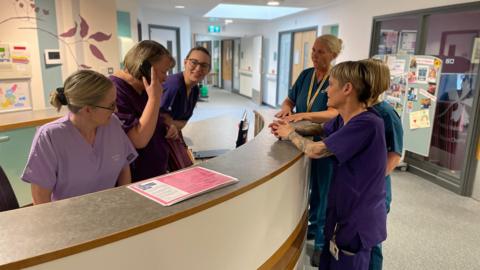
<point>61,96</point>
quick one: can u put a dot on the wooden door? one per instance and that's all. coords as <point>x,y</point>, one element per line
<point>227,64</point>
<point>302,50</point>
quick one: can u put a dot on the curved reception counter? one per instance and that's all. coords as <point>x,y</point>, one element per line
<point>258,223</point>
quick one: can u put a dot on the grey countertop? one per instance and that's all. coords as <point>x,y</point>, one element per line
<point>69,226</point>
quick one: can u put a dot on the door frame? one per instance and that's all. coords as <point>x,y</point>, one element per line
<point>234,90</point>
<point>292,32</point>
<point>177,36</point>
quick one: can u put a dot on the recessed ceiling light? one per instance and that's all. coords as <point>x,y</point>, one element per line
<point>273,3</point>
<point>179,6</point>
<point>227,21</point>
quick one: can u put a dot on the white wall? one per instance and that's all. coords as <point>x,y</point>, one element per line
<point>157,17</point>
<point>355,25</point>
<point>101,16</point>
<point>133,8</point>
<point>125,43</point>
<point>10,32</point>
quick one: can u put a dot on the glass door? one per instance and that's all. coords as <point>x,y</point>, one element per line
<point>284,59</point>
<point>458,45</point>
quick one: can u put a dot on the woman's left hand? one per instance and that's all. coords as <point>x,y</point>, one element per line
<point>172,132</point>
<point>294,117</point>
<point>281,129</point>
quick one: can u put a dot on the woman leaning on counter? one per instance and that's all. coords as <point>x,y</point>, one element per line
<point>356,212</point>
<point>309,98</point>
<point>84,151</point>
<point>179,99</point>
<point>139,106</point>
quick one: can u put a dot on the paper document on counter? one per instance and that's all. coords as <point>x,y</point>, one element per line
<point>175,187</point>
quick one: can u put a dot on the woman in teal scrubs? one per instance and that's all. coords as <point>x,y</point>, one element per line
<point>309,98</point>
<point>393,137</point>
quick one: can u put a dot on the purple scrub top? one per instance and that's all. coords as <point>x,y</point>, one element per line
<point>152,159</point>
<point>175,100</point>
<point>357,194</point>
<point>62,161</point>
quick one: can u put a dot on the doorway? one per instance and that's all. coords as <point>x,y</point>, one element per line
<point>227,64</point>
<point>294,55</point>
<point>170,38</point>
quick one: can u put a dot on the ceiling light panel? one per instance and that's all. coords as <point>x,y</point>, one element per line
<point>251,12</point>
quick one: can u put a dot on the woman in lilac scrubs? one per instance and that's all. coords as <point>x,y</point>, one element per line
<point>84,151</point>
<point>355,141</point>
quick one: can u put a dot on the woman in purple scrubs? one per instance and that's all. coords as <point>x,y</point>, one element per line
<point>181,95</point>
<point>138,105</point>
<point>355,141</point>
<point>84,151</point>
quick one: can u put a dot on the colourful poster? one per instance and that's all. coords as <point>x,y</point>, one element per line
<point>14,96</point>
<point>4,53</point>
<point>419,119</point>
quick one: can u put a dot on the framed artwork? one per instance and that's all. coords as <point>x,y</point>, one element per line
<point>14,95</point>
<point>388,42</point>
<point>407,41</point>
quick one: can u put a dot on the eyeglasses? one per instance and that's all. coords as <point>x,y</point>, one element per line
<point>194,63</point>
<point>112,107</point>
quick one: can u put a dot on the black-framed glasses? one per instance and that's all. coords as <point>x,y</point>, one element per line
<point>195,63</point>
<point>112,107</point>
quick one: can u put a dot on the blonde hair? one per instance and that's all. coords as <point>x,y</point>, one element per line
<point>380,77</point>
<point>82,88</point>
<point>357,74</point>
<point>146,50</point>
<point>333,43</point>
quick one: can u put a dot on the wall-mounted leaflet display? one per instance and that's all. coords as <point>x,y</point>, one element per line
<point>413,94</point>
<point>15,61</point>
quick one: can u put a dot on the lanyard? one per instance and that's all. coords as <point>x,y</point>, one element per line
<point>311,99</point>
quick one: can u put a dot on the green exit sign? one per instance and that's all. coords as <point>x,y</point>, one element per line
<point>214,28</point>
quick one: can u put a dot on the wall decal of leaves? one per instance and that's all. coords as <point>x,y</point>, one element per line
<point>98,36</point>
<point>97,53</point>
<point>83,27</point>
<point>70,32</point>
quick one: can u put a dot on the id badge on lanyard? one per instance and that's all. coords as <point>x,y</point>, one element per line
<point>334,250</point>
<point>311,99</point>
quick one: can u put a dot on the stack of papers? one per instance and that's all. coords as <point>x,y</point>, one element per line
<point>178,186</point>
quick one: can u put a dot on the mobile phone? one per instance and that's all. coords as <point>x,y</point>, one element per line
<point>145,69</point>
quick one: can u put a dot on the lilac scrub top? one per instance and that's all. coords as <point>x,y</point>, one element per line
<point>62,161</point>
<point>357,194</point>
<point>153,158</point>
<point>175,101</point>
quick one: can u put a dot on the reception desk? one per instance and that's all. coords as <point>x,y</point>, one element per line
<point>258,223</point>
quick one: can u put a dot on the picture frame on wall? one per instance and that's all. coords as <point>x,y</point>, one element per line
<point>15,95</point>
<point>388,42</point>
<point>407,41</point>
